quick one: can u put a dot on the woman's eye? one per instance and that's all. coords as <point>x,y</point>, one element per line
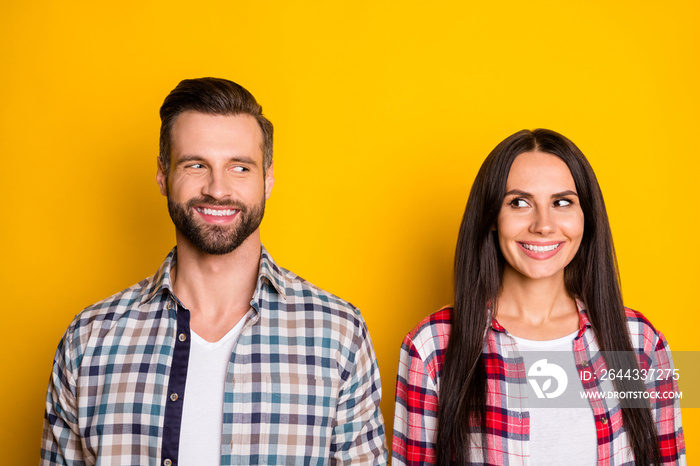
<point>562,203</point>
<point>519,203</point>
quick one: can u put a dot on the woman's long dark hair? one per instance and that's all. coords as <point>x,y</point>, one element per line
<point>592,276</point>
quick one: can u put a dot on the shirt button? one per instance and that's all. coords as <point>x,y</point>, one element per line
<point>604,420</point>
<point>584,363</point>
<point>167,462</point>
<point>182,337</point>
<point>169,306</point>
<point>173,397</point>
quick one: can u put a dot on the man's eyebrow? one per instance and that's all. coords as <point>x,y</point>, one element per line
<point>189,158</point>
<point>243,159</point>
<point>199,158</point>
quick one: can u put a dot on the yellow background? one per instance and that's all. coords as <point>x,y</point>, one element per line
<point>383,113</point>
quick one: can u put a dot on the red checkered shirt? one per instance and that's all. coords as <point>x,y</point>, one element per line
<point>508,422</point>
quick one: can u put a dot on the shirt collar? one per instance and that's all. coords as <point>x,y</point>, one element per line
<point>160,281</point>
<point>268,271</point>
<point>272,273</point>
<point>583,322</point>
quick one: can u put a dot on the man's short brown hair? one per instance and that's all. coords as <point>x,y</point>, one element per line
<point>214,96</point>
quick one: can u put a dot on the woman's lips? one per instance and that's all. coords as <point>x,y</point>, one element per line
<point>541,251</point>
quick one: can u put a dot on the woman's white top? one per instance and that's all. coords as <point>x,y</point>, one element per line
<point>561,435</point>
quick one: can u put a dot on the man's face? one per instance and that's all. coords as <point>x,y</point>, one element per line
<point>216,188</point>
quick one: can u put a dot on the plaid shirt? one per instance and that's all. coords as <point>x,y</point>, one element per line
<point>508,423</point>
<point>302,385</point>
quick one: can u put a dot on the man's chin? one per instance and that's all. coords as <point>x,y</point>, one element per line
<point>215,247</point>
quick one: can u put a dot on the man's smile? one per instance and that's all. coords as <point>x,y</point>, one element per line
<point>216,212</point>
<point>217,215</point>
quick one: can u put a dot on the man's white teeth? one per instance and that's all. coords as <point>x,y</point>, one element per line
<point>217,212</point>
<point>534,248</point>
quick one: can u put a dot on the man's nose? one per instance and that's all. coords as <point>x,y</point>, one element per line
<point>216,185</point>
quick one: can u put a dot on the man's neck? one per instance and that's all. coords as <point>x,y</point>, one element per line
<point>217,289</point>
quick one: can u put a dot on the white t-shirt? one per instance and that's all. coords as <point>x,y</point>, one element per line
<point>560,435</point>
<point>202,411</point>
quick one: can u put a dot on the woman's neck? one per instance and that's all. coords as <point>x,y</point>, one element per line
<point>536,309</point>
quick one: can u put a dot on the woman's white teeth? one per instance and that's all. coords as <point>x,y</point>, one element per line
<point>217,212</point>
<point>532,247</point>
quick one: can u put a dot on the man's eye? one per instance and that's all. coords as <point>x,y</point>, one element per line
<point>195,165</point>
<point>240,169</point>
<point>519,203</point>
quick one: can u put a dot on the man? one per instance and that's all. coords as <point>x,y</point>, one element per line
<point>222,356</point>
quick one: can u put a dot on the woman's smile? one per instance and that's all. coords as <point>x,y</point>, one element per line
<point>541,251</point>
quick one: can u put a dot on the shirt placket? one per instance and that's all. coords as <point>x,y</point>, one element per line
<point>172,421</point>
<point>512,398</point>
<point>237,389</point>
<point>584,366</point>
<point>518,393</point>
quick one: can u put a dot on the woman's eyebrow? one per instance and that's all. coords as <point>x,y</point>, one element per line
<point>518,192</point>
<point>566,193</point>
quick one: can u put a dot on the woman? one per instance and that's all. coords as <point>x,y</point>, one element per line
<point>535,269</point>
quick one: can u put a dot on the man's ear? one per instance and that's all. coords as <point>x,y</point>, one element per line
<point>269,180</point>
<point>162,178</point>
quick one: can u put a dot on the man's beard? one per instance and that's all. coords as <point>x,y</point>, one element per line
<point>216,239</point>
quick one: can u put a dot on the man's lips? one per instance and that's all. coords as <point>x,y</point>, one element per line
<point>217,215</point>
<point>216,211</point>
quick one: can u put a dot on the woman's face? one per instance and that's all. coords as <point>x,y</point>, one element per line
<point>540,224</point>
